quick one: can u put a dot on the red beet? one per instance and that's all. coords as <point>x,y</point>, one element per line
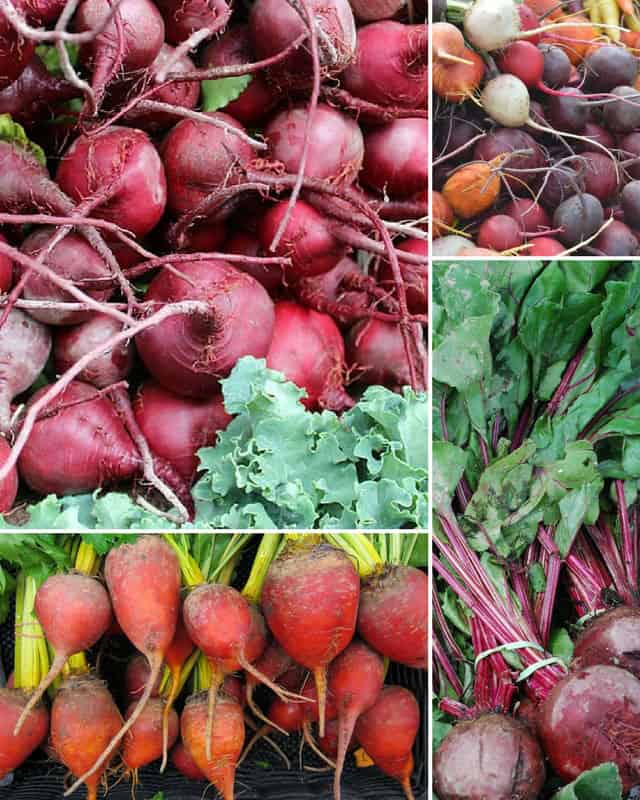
<point>590,717</point>
<point>396,158</point>
<point>390,67</point>
<point>14,750</point>
<point>183,762</point>
<point>611,638</point>
<point>234,47</point>
<point>414,275</point>
<point>492,756</point>
<point>113,365</point>
<point>188,354</point>
<point>184,17</point>
<point>375,352</point>
<point>246,243</point>
<point>307,347</point>
<point>336,146</point>
<point>136,676</point>
<point>9,486</point>
<point>177,427</point>
<point>102,452</point>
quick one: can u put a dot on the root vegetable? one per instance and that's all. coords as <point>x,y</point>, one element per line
<point>310,602</point>
<point>472,189</point>
<point>143,742</point>
<point>14,750</point>
<point>396,158</point>
<point>24,349</point>
<point>188,354</point>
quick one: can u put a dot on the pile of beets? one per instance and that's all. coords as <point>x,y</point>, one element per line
<point>157,242</point>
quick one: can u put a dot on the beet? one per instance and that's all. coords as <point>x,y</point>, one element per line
<point>591,717</point>
<point>307,347</point>
<point>177,427</point>
<point>234,47</point>
<point>611,638</point>
<point>188,354</point>
<point>184,17</point>
<point>396,158</point>
<point>247,243</point>
<point>414,275</point>
<point>492,756</point>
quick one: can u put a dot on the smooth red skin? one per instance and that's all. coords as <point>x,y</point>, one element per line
<point>336,144</point>
<point>34,94</point>
<point>184,17</point>
<point>91,163</point>
<point>544,247</point>
<point>198,159</point>
<point>308,348</point>
<point>616,240</point>
<point>144,34</point>
<point>84,719</point>
<point>293,678</point>
<point>6,269</point>
<point>630,145</point>
<point>310,602</point>
<point>393,615</point>
<point>376,354</point>
<point>72,258</point>
<point>15,53</point>
<point>274,662</point>
<point>183,762</point>
<point>415,276</point>
<point>102,453</point>
<point>25,345</point>
<point>531,216</point>
<point>492,756</point>
<point>184,94</point>
<point>611,638</point>
<point>227,740</point>
<point>136,676</point>
<point>308,239</point>
<point>218,621</point>
<point>524,60</point>
<point>8,486</point>
<point>112,366</point>
<point>234,47</point>
<point>291,715</point>
<point>599,175</point>
<point>74,611</point>
<point>274,26</point>
<point>177,427</point>
<point>14,750</point>
<point>144,583</point>
<point>355,679</point>
<point>396,158</point>
<point>248,244</point>
<point>590,717</point>
<point>143,742</point>
<point>499,232</point>
<point>389,67</point>
<point>188,354</point>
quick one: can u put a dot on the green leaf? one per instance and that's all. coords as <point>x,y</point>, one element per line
<point>14,133</point>
<point>600,783</point>
<point>561,645</point>
<point>48,54</point>
<point>448,467</point>
<point>218,93</point>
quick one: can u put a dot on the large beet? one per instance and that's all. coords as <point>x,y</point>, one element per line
<point>189,353</point>
<point>611,638</point>
<point>492,756</point>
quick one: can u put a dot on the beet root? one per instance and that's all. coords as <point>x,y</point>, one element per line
<point>143,743</point>
<point>84,718</point>
<point>611,638</point>
<point>16,749</point>
<point>590,717</point>
<point>307,347</point>
<point>182,761</point>
<point>392,617</point>
<point>188,354</point>
<point>310,601</point>
<point>492,756</point>
<point>74,611</point>
<point>227,740</point>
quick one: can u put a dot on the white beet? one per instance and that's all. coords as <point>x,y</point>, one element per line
<point>445,246</point>
<point>506,100</point>
<point>492,24</point>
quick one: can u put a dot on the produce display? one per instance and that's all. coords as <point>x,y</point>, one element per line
<point>196,195</point>
<point>536,128</point>
<point>134,649</point>
<point>536,535</point>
